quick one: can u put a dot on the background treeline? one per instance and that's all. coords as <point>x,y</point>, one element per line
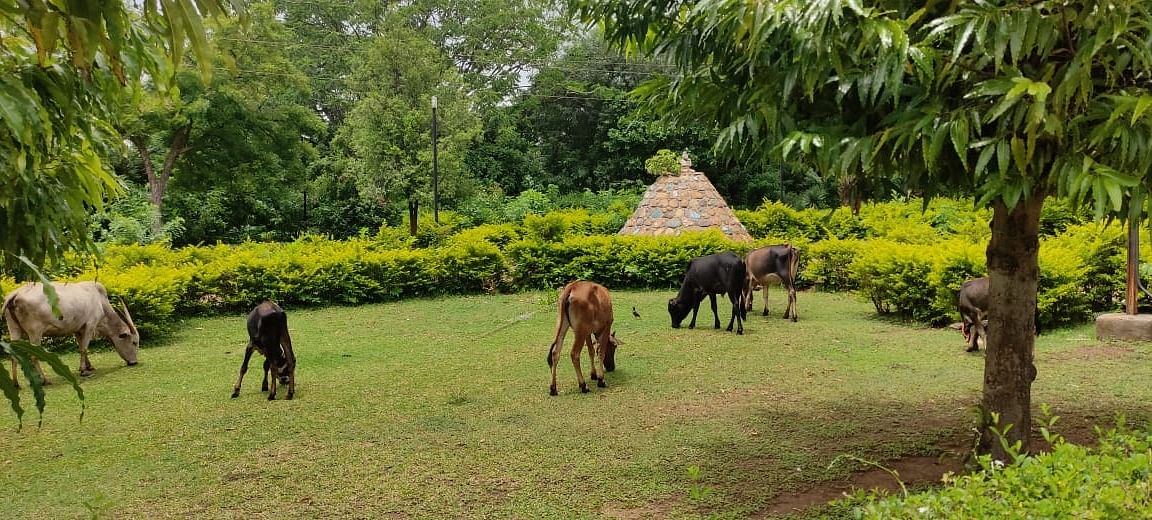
<point>317,119</point>
<point>906,257</point>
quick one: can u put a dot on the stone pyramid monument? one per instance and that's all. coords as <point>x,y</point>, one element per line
<point>675,204</point>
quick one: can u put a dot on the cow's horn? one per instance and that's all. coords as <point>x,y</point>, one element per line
<point>128,317</point>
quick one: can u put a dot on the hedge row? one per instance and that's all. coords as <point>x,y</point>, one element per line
<point>913,270</point>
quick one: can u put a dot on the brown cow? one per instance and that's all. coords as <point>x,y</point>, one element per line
<point>587,309</point>
<point>973,307</point>
<point>772,264</point>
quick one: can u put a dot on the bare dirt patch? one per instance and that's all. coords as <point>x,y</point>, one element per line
<point>916,471</point>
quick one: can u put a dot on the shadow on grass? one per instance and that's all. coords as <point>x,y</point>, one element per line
<point>786,460</point>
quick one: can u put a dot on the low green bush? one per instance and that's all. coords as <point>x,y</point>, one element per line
<point>1108,481</point>
<point>829,264</point>
<point>894,277</point>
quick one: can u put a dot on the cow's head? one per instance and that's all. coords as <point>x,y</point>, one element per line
<point>610,353</point>
<point>125,337</point>
<point>284,365</point>
<point>678,310</point>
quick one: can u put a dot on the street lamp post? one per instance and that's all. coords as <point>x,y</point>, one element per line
<point>435,167</point>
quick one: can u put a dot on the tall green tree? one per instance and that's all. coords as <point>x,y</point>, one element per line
<point>388,132</point>
<point>1015,100</point>
<point>234,148</point>
<point>64,67</point>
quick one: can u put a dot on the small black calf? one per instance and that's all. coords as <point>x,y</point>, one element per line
<point>268,333</point>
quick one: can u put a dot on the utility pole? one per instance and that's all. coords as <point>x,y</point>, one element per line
<point>435,167</point>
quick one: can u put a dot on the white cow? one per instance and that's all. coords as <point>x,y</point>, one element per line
<point>84,312</point>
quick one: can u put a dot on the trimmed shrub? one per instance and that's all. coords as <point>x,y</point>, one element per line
<point>830,262</point>
<point>893,276</point>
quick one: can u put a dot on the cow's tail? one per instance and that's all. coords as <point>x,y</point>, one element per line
<point>793,264</point>
<point>565,315</point>
<point>10,311</point>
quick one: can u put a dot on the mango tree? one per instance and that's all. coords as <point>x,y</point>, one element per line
<point>63,68</point>
<point>1015,100</point>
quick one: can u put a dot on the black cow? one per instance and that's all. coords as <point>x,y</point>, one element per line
<point>772,264</point>
<point>268,333</point>
<point>973,306</point>
<point>721,273</point>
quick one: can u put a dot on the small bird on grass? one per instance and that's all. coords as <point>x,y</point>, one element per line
<point>634,313</point>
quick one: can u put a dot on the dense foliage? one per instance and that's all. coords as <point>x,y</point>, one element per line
<point>1108,481</point>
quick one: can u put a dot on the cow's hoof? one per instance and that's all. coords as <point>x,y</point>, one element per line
<point>271,397</point>
<point>600,383</point>
<point>289,397</point>
<point>584,388</point>
<point>236,393</point>
<point>765,313</point>
<point>973,349</point>
<point>552,391</point>
<point>83,373</point>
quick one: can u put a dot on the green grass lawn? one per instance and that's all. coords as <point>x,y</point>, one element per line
<point>440,409</point>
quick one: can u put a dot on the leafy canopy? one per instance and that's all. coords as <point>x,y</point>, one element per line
<point>1010,98</point>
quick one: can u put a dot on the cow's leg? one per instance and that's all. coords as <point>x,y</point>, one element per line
<point>34,339</point>
<point>291,383</point>
<point>765,295</point>
<point>737,313</point>
<point>791,311</point>
<point>603,341</point>
<point>554,352</point>
<point>82,339</point>
<point>715,317</point>
<point>267,368</point>
<point>274,373</point>
<point>286,343</point>
<point>17,336</point>
<point>977,331</point>
<point>581,338</point>
<point>597,370</point>
<point>243,369</point>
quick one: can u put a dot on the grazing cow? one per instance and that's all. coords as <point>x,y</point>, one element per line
<point>586,307</point>
<point>973,306</point>
<point>772,264</point>
<point>721,273</point>
<point>268,333</point>
<point>84,312</point>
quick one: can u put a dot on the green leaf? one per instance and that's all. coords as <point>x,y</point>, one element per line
<point>58,367</point>
<point>8,386</point>
<point>1142,105</point>
<point>958,131</point>
<point>1019,155</point>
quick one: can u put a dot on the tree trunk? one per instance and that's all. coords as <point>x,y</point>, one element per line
<point>158,182</point>
<point>1014,272</point>
<point>413,213</point>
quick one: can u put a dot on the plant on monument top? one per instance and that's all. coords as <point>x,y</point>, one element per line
<point>665,162</point>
